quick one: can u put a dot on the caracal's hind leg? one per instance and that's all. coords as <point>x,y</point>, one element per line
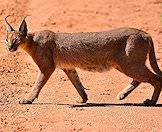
<point>141,73</point>
<point>126,91</point>
<point>156,81</point>
<point>74,78</point>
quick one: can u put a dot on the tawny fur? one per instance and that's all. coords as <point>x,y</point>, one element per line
<point>124,49</point>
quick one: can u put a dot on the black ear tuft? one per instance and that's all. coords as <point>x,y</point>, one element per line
<point>8,26</point>
<point>23,28</point>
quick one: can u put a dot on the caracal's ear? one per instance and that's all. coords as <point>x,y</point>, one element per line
<point>23,28</point>
<point>8,26</point>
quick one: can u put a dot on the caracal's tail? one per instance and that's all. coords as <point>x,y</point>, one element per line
<point>152,58</point>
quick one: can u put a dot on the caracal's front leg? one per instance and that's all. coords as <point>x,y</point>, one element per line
<point>40,82</point>
<point>74,78</point>
<point>46,67</point>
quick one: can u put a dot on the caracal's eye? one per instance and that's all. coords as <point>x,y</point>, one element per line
<point>6,41</point>
<point>14,41</point>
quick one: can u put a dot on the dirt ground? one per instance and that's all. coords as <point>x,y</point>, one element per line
<point>56,110</point>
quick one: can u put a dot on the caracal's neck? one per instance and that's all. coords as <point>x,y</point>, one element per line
<point>28,44</point>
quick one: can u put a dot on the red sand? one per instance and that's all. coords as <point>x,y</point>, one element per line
<point>53,111</point>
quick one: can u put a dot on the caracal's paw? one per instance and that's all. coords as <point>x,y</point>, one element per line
<point>121,96</point>
<point>25,101</point>
<point>82,100</point>
<point>149,102</point>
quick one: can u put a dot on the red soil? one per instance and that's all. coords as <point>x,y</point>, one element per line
<point>53,110</point>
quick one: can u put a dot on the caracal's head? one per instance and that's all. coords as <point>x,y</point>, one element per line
<point>15,38</point>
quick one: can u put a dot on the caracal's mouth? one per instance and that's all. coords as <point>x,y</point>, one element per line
<point>13,48</point>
